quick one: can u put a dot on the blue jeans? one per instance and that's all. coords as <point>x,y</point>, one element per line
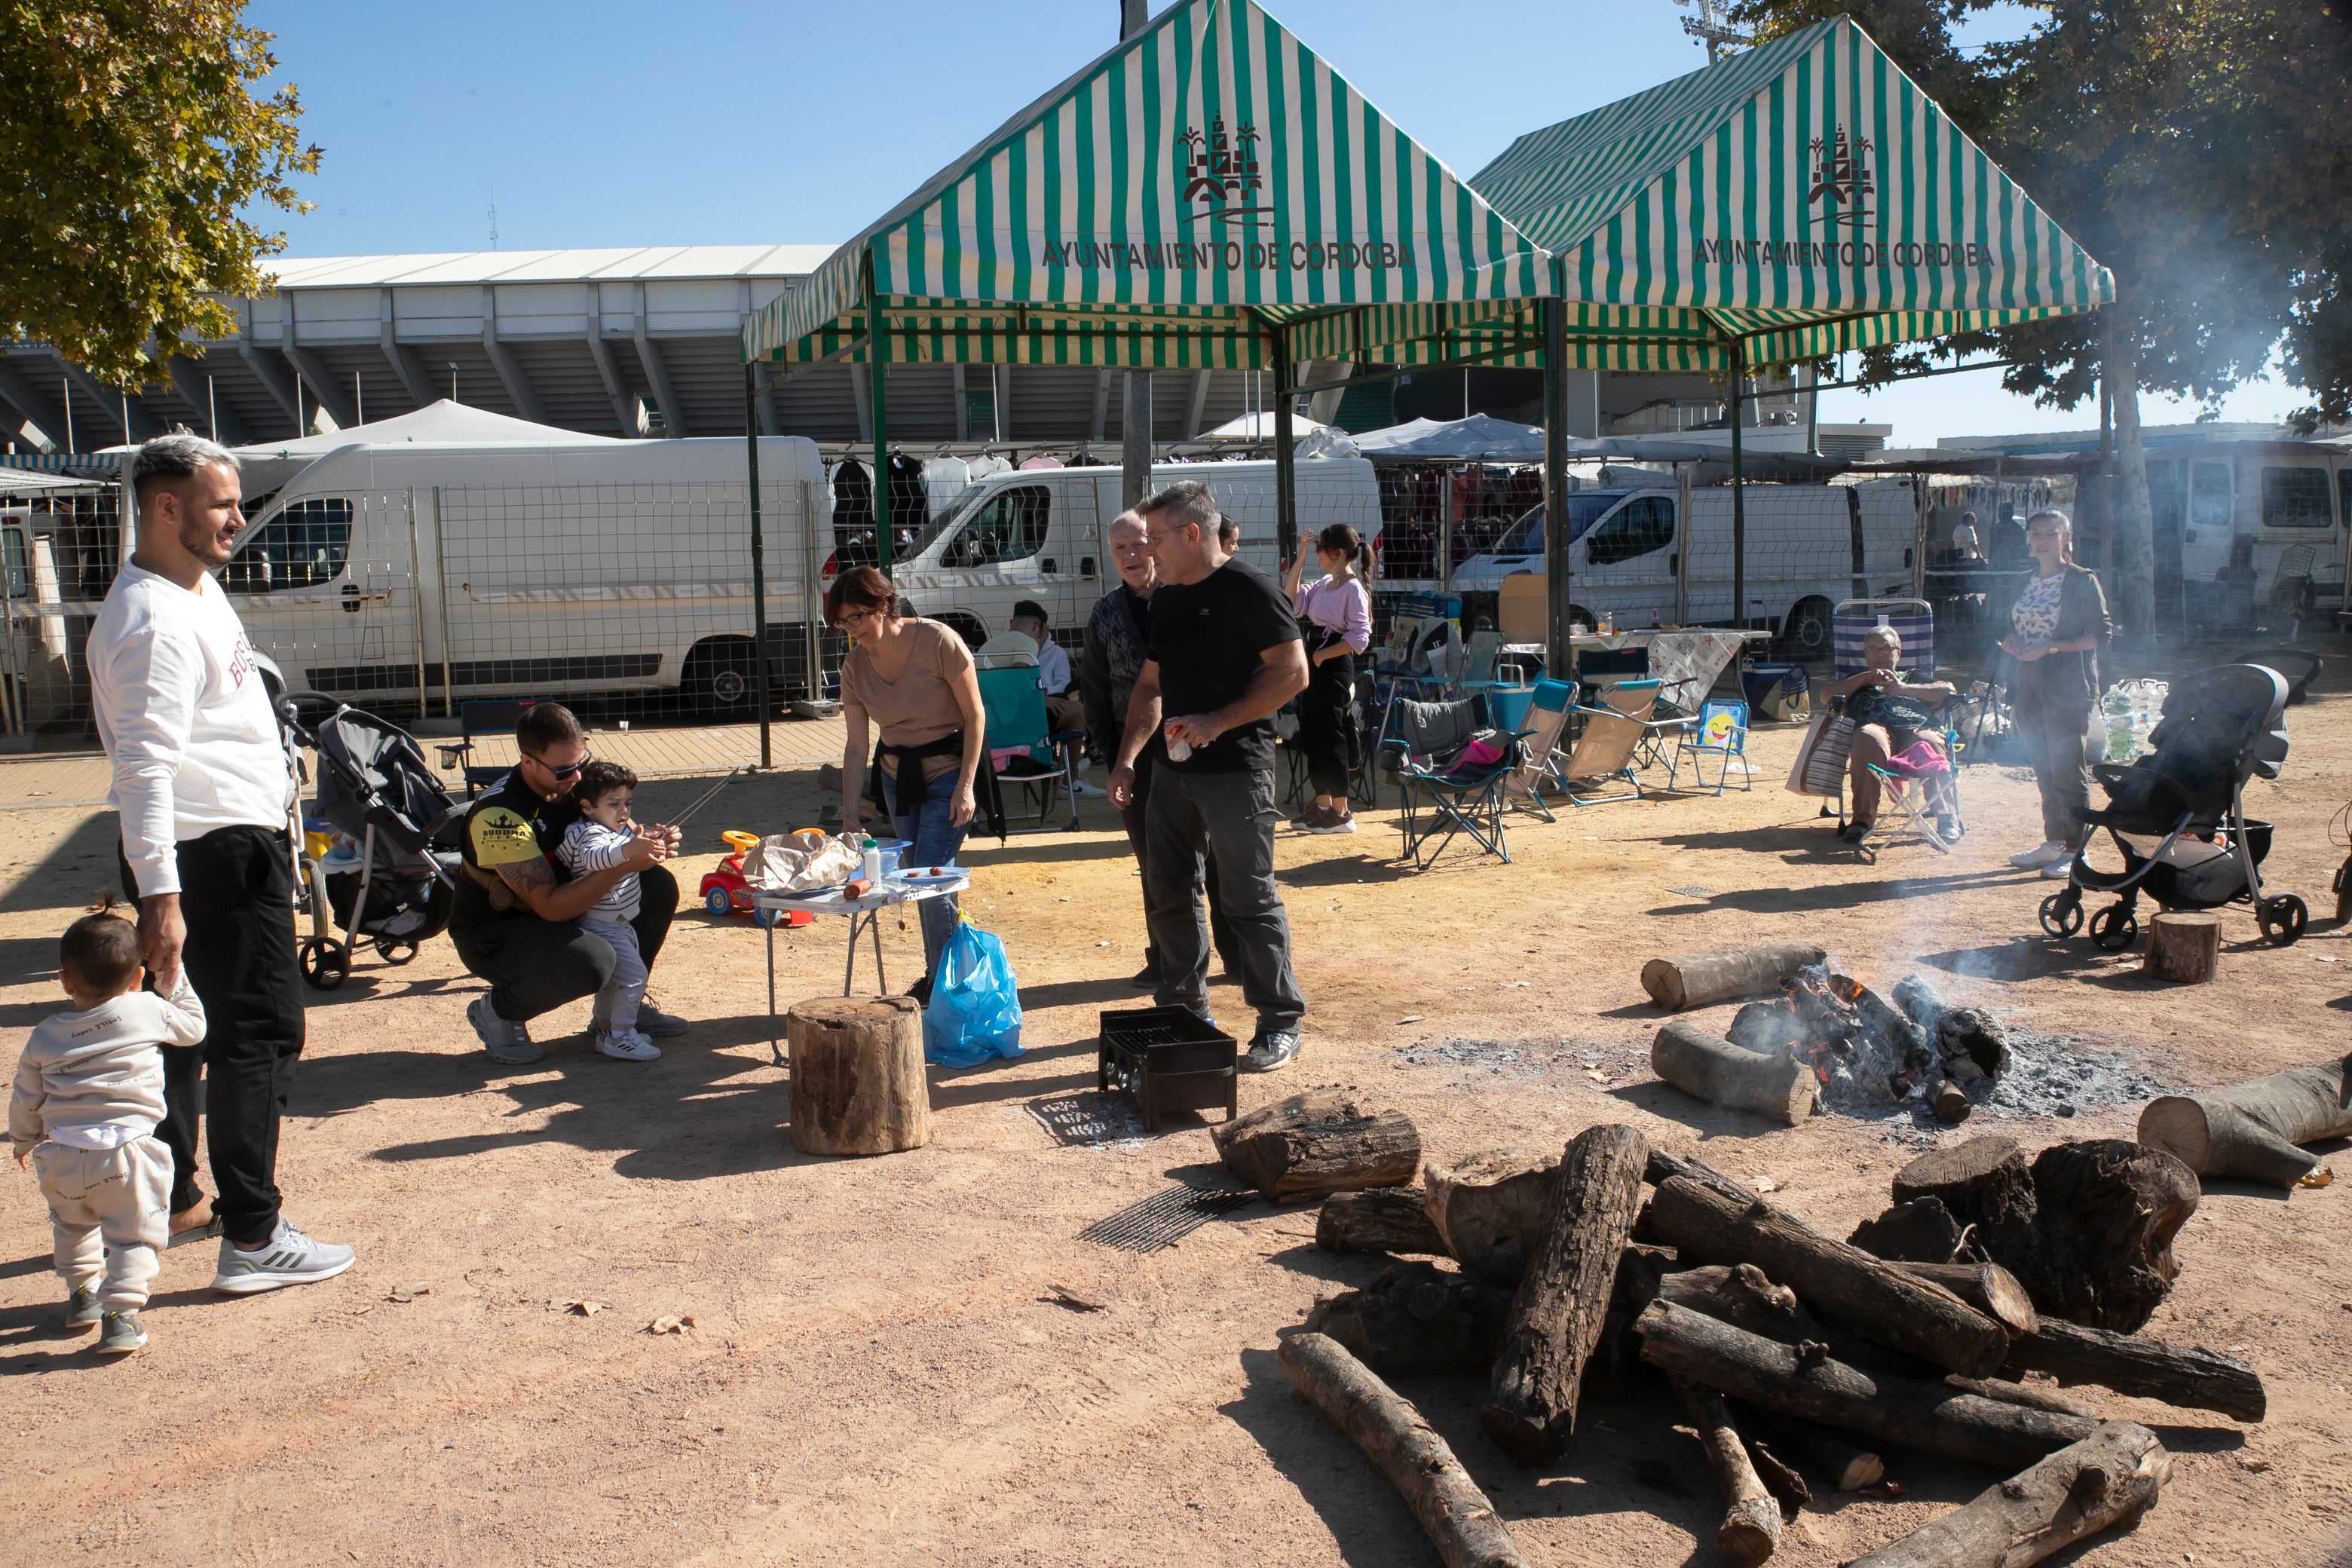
<point>932,840</point>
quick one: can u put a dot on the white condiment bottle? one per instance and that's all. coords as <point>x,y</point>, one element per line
<point>871,867</point>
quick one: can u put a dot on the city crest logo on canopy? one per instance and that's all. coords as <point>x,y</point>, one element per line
<point>1842,179</point>
<point>1217,169</point>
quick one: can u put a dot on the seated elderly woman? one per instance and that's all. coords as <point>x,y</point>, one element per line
<point>1890,716</point>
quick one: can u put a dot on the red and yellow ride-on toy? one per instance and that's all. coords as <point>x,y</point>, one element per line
<point>724,891</point>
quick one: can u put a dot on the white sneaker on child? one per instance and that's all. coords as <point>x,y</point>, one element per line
<point>626,1046</point>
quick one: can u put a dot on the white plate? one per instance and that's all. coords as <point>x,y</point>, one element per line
<point>918,879</point>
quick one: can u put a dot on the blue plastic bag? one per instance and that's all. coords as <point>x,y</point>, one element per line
<point>975,1010</point>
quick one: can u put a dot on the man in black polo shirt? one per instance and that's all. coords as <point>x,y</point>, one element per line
<point>1224,654</point>
<point>515,921</point>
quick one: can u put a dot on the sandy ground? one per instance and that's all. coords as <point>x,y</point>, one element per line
<point>878,1371</point>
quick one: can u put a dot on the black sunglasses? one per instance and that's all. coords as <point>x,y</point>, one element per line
<point>570,771</point>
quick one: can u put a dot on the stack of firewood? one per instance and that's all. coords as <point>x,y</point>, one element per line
<point>1790,1350</point>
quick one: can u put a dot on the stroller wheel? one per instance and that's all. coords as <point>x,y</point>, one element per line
<point>326,963</point>
<point>2344,892</point>
<point>2114,929</point>
<point>394,950</point>
<point>2062,914</point>
<point>2283,920</point>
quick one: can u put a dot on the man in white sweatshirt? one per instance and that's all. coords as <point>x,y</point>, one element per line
<point>202,786</point>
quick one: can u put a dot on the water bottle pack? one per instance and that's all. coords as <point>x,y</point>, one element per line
<point>2131,708</point>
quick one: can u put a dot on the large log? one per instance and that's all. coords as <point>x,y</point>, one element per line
<point>2142,1368</point>
<point>1563,1302</point>
<point>1701,979</point>
<point>1459,1520</point>
<point>1843,1284</point>
<point>1382,1220</point>
<point>1323,1142</point>
<point>1665,1164</point>
<point>1745,1298</point>
<point>2183,945</point>
<point>1798,1382</point>
<point>1490,1209</point>
<point>1418,1321</point>
<point>1988,1287</point>
<point>2110,1477</point>
<point>1985,1180</point>
<point>1752,1516</point>
<point>2250,1128</point>
<point>1711,1068</point>
<point>1849,1467</point>
<point>858,1086</point>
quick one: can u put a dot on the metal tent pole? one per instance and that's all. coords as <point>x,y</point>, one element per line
<point>1135,439</point>
<point>758,564</point>
<point>1559,656</point>
<point>1286,470</point>
<point>874,381</point>
<point>1738,502</point>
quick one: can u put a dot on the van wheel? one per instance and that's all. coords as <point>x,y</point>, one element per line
<point>965,626</point>
<point>1806,634</point>
<point>721,680</point>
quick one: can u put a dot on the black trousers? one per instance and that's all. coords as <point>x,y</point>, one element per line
<point>1233,817</point>
<point>237,897</point>
<point>1324,730</point>
<point>1132,817</point>
<point>535,966</point>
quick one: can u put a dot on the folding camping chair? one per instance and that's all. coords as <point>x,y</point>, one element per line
<point>1917,793</point>
<point>1023,750</point>
<point>480,716</point>
<point>1615,732</point>
<point>1721,731</point>
<point>1446,787</point>
<point>1546,719</point>
<point>1939,794</point>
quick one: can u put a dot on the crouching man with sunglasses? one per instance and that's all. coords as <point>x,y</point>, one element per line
<point>516,920</point>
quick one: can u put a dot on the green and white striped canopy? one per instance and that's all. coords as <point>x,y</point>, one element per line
<point>1204,186</point>
<point>1805,196</point>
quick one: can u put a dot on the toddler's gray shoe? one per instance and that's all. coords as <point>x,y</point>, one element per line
<point>288,1257</point>
<point>82,1310</point>
<point>119,1333</point>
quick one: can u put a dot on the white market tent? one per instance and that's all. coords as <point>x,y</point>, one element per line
<point>1477,439</point>
<point>1258,426</point>
<point>267,467</point>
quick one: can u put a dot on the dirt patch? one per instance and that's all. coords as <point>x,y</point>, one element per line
<point>879,1366</point>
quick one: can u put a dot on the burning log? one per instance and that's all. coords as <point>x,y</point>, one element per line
<point>1862,1293</point>
<point>1490,1209</point>
<point>1752,1516</point>
<point>1703,979</point>
<point>1858,1048</point>
<point>1802,1380</point>
<point>1562,1304</point>
<point>1417,1321</point>
<point>1715,1069</point>
<point>1383,1219</point>
<point>1459,1520</point>
<point>1323,1142</point>
<point>1949,1103</point>
<point>2251,1130</point>
<point>1849,1468</point>
<point>1969,1035</point>
<point>2088,1228</point>
<point>2110,1477</point>
<point>2141,1368</point>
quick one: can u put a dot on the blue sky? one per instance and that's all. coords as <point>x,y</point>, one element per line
<point>714,122</point>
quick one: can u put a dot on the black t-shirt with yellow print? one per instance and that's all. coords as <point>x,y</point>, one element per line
<point>509,824</point>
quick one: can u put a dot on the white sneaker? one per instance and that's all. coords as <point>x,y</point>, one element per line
<point>2060,871</point>
<point>1085,791</point>
<point>288,1257</point>
<point>2041,855</point>
<point>627,1046</point>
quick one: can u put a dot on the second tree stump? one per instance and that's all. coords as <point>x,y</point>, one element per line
<point>857,1075</point>
<point>2184,944</point>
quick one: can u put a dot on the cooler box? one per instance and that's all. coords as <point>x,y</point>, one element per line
<point>1781,692</point>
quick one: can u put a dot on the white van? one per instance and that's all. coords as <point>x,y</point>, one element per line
<point>1809,546</point>
<point>539,570</point>
<point>1042,534</point>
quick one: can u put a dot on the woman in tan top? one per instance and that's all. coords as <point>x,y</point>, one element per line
<point>914,680</point>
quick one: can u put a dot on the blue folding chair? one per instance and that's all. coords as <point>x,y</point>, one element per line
<point>1721,733</point>
<point>1025,749</point>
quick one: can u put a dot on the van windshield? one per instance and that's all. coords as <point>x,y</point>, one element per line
<point>1584,508</point>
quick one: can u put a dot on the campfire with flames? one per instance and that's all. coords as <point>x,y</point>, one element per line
<point>1866,1051</point>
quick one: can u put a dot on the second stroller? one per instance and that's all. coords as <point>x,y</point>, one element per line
<point>375,786</point>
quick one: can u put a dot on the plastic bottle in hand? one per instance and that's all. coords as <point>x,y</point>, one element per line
<point>1176,750</point>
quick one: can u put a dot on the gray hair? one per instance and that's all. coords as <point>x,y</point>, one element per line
<point>175,457</point>
<point>1883,634</point>
<point>1188,500</point>
<point>1126,519</point>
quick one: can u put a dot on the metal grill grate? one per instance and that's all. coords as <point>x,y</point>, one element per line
<point>1163,1218</point>
<point>1138,1036</point>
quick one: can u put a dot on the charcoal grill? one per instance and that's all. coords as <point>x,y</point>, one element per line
<point>1166,1058</point>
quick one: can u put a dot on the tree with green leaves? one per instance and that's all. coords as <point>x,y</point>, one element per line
<point>139,147</point>
<point>2200,148</point>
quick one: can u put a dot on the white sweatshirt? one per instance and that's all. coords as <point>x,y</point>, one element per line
<point>93,1079</point>
<point>183,719</point>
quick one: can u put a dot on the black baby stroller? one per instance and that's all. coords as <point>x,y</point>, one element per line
<point>2178,814</point>
<point>375,786</point>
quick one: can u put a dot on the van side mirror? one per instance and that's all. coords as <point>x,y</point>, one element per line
<point>1086,566</point>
